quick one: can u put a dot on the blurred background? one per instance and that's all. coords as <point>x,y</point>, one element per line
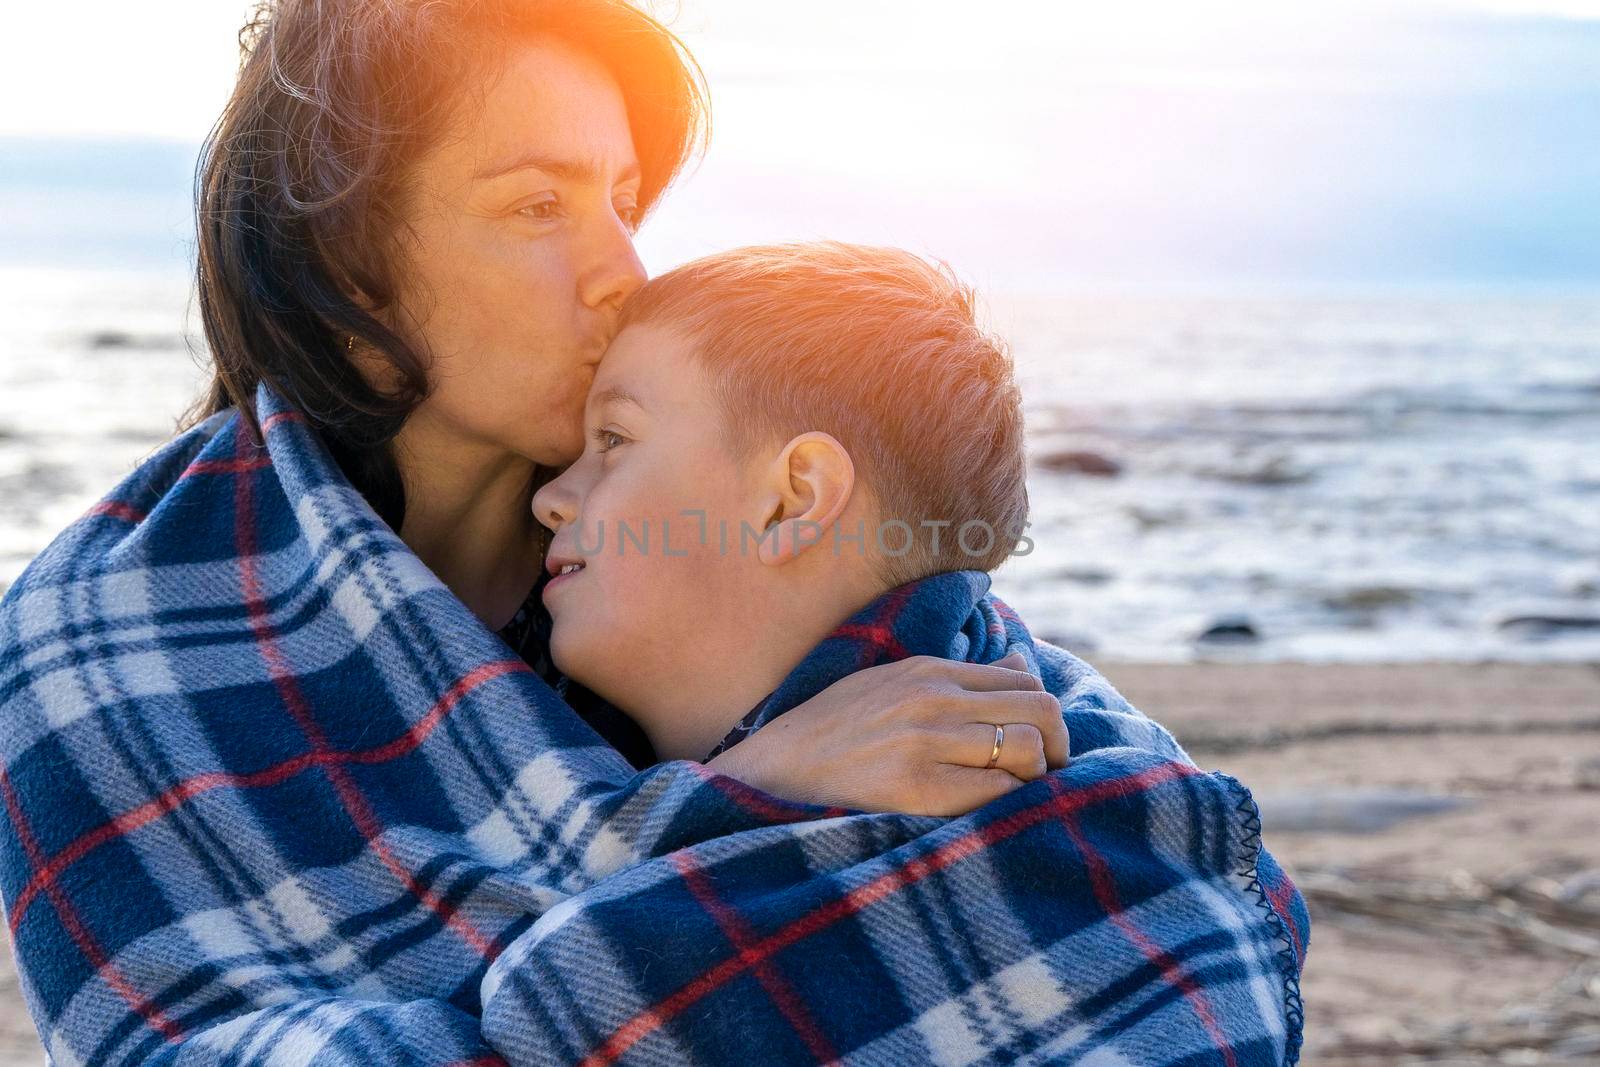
<point>1305,301</point>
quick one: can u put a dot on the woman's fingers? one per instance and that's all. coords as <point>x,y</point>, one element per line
<point>1042,711</point>
<point>1008,673</point>
<point>993,693</point>
<point>1021,748</point>
<point>955,790</point>
<point>951,694</point>
<point>908,736</point>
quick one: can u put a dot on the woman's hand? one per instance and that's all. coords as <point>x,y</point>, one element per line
<point>911,736</point>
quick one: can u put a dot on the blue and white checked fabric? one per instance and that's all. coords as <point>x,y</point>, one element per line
<point>272,795</point>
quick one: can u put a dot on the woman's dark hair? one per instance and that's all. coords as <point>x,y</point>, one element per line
<point>299,184</point>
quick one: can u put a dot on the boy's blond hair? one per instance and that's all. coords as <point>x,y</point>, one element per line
<point>881,349</point>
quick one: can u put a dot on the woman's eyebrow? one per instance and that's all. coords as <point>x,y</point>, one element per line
<point>577,171</point>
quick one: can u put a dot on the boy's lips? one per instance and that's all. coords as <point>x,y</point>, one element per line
<point>559,579</point>
<point>556,564</point>
<point>562,570</point>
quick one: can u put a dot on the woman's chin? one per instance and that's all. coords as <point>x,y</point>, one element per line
<point>555,452</point>
<point>551,438</point>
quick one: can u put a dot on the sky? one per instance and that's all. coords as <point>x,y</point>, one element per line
<point>1146,142</point>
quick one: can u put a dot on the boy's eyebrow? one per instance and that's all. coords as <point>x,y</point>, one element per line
<point>616,395</point>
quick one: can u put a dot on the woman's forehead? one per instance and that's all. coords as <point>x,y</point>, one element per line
<point>542,103</point>
<point>546,89</point>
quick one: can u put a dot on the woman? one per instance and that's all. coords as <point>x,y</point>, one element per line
<point>274,788</point>
<point>416,229</point>
<point>426,249</point>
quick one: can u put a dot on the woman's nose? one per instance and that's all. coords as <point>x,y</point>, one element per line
<point>616,272</point>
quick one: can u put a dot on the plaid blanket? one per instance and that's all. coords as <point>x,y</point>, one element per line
<point>271,794</point>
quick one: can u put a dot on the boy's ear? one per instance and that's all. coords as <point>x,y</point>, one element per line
<point>811,482</point>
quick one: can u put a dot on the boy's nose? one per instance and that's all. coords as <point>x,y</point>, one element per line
<point>554,505</point>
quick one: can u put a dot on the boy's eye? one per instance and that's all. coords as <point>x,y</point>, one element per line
<point>607,439</point>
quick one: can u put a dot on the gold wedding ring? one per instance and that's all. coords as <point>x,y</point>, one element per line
<point>994,754</point>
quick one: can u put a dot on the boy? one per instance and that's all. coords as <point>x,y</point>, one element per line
<point>778,437</point>
<point>803,461</point>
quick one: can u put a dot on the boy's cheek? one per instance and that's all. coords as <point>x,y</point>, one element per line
<point>599,611</point>
<point>560,651</point>
<point>577,652</point>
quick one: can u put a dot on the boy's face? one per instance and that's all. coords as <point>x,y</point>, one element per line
<point>657,596</point>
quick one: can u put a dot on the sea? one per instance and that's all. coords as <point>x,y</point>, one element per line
<point>1306,477</point>
<point>1383,477</point>
<point>1249,473</point>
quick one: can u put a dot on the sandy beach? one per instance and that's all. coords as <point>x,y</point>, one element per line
<point>1301,303</point>
<point>1470,934</point>
<point>1442,819</point>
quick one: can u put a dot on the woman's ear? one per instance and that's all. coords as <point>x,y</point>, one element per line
<point>378,369</point>
<point>811,482</point>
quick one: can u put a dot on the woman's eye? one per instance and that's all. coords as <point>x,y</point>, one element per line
<point>541,211</point>
<point>608,439</point>
<point>628,212</point>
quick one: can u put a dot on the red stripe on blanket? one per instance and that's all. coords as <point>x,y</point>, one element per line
<point>913,871</point>
<point>878,641</point>
<point>283,678</point>
<point>1105,891</point>
<point>763,804</point>
<point>226,466</point>
<point>190,788</point>
<point>743,938</point>
<point>282,416</point>
<point>80,934</point>
<point>1281,896</point>
<point>116,509</point>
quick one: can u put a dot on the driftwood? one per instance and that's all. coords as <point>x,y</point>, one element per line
<point>1557,917</point>
<point>1222,742</point>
